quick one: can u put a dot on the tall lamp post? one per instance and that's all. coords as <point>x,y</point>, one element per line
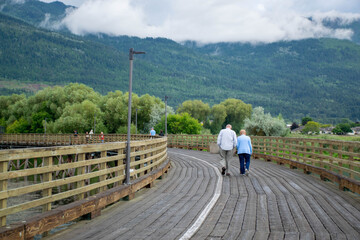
<point>94,122</point>
<point>45,127</point>
<point>166,98</point>
<point>131,58</point>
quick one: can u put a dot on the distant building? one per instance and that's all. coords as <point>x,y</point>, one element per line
<point>356,130</point>
<point>298,130</point>
<point>327,130</point>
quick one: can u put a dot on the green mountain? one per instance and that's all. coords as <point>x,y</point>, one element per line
<point>33,11</point>
<point>315,77</point>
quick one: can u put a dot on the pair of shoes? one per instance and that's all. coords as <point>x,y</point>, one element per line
<point>228,174</point>
<point>223,171</point>
<point>247,172</point>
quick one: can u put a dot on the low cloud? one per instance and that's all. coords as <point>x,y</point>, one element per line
<point>213,21</point>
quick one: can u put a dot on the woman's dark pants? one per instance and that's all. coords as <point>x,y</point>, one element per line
<point>244,157</point>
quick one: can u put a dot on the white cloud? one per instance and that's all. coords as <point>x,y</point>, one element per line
<point>213,20</point>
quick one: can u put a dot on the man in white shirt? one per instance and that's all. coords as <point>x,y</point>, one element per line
<point>226,141</point>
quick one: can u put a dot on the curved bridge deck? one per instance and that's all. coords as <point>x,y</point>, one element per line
<point>273,202</point>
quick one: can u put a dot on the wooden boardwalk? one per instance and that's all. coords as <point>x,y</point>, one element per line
<point>273,202</point>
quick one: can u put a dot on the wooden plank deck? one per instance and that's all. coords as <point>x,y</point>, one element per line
<point>273,202</point>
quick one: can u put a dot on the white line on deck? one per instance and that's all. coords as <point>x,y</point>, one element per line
<point>199,221</point>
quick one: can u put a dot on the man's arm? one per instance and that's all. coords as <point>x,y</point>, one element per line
<point>234,139</point>
<point>219,138</point>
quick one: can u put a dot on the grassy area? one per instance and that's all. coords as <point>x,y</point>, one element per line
<point>327,137</point>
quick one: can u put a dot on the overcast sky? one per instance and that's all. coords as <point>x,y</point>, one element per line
<point>209,21</point>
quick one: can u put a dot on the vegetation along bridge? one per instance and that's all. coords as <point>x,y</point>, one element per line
<point>176,192</point>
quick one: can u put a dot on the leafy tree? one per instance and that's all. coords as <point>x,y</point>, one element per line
<point>6,102</point>
<point>150,109</point>
<point>236,112</point>
<point>305,120</point>
<point>261,124</point>
<point>342,128</point>
<point>123,129</point>
<point>17,110</point>
<point>218,116</point>
<point>196,108</point>
<point>180,123</point>
<point>37,121</point>
<point>80,117</point>
<point>311,126</point>
<point>114,107</point>
<point>157,117</point>
<point>3,123</point>
<point>294,125</point>
<point>18,126</point>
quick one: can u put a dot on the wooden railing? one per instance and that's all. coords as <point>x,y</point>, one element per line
<point>337,161</point>
<point>82,173</point>
<point>73,173</point>
<point>40,139</point>
<point>195,142</point>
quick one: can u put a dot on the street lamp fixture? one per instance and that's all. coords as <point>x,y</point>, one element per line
<point>131,58</point>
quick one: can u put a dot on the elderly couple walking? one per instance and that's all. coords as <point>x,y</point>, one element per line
<point>227,142</point>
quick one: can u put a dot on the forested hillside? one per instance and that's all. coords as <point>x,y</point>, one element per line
<point>315,77</point>
<point>34,11</point>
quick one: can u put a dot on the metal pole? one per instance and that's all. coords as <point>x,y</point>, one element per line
<point>166,97</point>
<point>94,122</point>
<point>45,126</point>
<point>131,58</point>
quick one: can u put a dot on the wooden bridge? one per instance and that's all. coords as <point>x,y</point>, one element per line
<point>295,191</point>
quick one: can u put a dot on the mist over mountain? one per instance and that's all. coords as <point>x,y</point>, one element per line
<point>313,77</point>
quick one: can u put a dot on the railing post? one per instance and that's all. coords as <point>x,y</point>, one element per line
<point>81,171</point>
<point>102,167</point>
<point>3,187</point>
<point>47,177</point>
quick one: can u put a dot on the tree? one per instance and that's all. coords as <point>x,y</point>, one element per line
<point>150,110</point>
<point>231,111</point>
<point>123,129</point>
<point>218,115</point>
<point>18,126</point>
<point>305,120</point>
<point>236,113</point>
<point>294,125</point>
<point>312,127</point>
<point>6,102</point>
<point>37,121</point>
<point>80,117</point>
<point>180,123</point>
<point>157,117</point>
<point>261,124</point>
<point>342,128</point>
<point>196,108</point>
<point>115,109</point>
